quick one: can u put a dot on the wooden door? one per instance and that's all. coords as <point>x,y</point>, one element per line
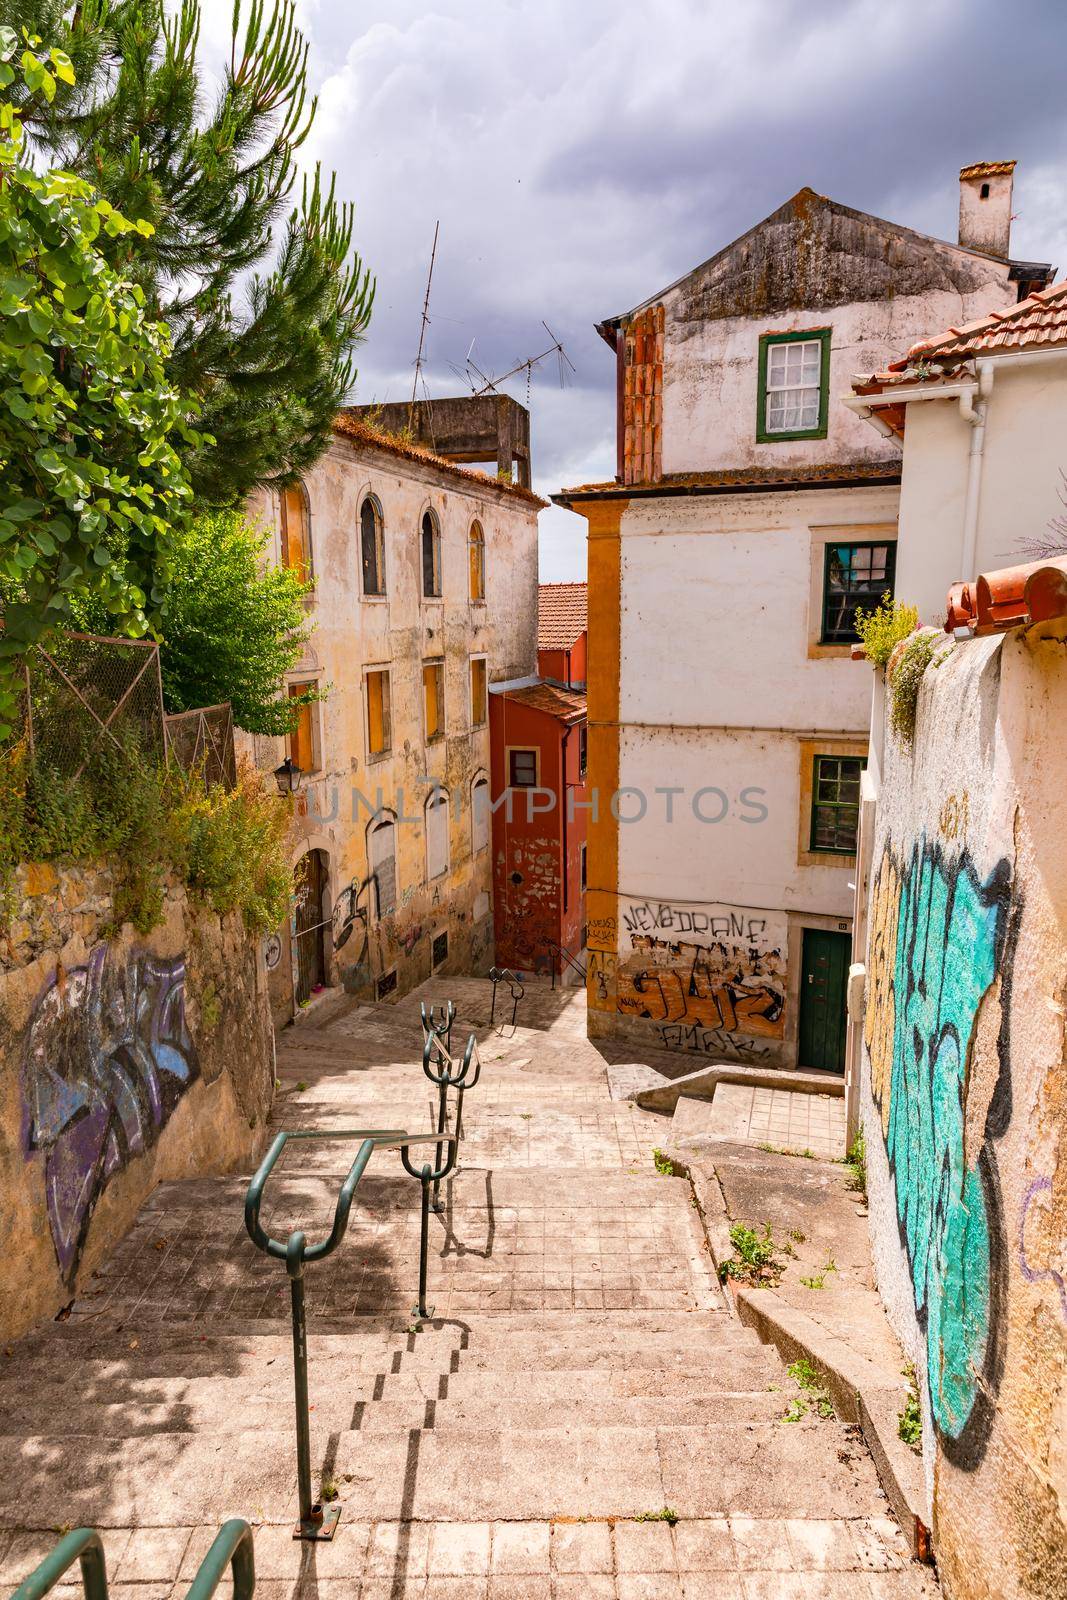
<point>823,986</point>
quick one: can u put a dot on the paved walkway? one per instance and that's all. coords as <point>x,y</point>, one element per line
<point>584,1417</point>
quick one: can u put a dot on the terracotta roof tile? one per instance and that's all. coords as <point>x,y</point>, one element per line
<point>562,614</point>
<point>743,480</point>
<point>987,169</point>
<point>361,432</point>
<point>568,705</point>
<point>1039,320</point>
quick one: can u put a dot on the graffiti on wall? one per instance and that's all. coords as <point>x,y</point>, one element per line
<point>719,969</point>
<point>937,943</point>
<point>108,1058</point>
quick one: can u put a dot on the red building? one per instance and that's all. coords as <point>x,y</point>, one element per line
<point>562,632</point>
<point>537,740</point>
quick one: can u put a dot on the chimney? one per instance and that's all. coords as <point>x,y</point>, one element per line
<point>985,207</point>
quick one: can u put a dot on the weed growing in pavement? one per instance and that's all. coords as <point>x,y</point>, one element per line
<point>329,1489</point>
<point>754,1260</point>
<point>665,1514</point>
<point>910,1420</point>
<point>301,1085</point>
<point>664,1164</point>
<point>796,1236</point>
<point>816,1396</point>
<point>816,1282</point>
<point>856,1162</point>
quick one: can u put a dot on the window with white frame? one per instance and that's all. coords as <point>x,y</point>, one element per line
<point>793,382</point>
<point>479,814</point>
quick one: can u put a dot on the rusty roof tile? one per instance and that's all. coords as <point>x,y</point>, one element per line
<point>562,614</point>
<point>1040,319</point>
<point>566,705</point>
<point>361,432</point>
<point>743,480</point>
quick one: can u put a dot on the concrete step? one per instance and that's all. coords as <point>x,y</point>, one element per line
<point>805,1469</point>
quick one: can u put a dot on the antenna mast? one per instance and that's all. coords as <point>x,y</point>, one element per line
<point>425,323</point>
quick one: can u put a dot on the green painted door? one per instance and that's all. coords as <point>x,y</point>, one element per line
<point>823,982</point>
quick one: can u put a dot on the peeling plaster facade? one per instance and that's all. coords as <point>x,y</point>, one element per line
<point>366,941</point>
<point>964,1101</point>
<point>711,691</point>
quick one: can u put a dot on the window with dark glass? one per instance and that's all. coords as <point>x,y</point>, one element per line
<point>440,949</point>
<point>855,575</point>
<point>372,548</point>
<point>583,750</point>
<point>522,769</point>
<point>431,557</point>
<point>835,804</point>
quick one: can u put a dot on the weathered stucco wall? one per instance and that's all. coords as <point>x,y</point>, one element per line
<point>400,631</point>
<point>124,1061</point>
<point>964,1102</point>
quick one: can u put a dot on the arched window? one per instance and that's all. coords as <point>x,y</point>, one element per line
<point>436,817</point>
<point>431,556</point>
<point>479,814</point>
<point>381,855</point>
<point>296,531</point>
<point>476,547</point>
<point>372,546</point>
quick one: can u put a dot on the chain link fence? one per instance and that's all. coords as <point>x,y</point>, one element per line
<point>201,741</point>
<point>85,693</point>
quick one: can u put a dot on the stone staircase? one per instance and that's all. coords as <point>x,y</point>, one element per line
<point>583,1417</point>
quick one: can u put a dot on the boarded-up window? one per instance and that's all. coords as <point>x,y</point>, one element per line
<point>379,731</point>
<point>372,548</point>
<point>296,532</point>
<point>302,737</point>
<point>433,697</point>
<point>436,834</point>
<point>479,706</point>
<point>382,853</point>
<point>431,556</point>
<point>479,814</point>
<point>440,949</point>
<point>477,561</point>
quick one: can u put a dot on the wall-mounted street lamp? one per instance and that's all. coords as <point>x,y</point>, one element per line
<point>287,776</point>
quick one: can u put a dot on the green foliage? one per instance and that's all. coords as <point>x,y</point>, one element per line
<point>147,822</point>
<point>882,629</point>
<point>233,624</point>
<point>904,683</point>
<point>816,1396</point>
<point>664,1164</point>
<point>816,1281</point>
<point>665,1514</point>
<point>856,1162</point>
<point>212,168</point>
<point>754,1259</point>
<point>92,482</point>
<point>910,1419</point>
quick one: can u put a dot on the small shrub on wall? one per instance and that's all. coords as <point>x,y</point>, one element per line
<point>148,822</point>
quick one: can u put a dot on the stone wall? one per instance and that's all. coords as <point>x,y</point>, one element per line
<point>124,1061</point>
<point>964,1100</point>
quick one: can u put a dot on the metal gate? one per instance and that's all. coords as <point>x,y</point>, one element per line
<point>309,935</point>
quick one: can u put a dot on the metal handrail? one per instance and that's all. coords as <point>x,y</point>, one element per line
<point>441,1067</point>
<point>568,956</point>
<point>505,975</point>
<point>232,1547</point>
<point>84,1545</point>
<point>317,1521</point>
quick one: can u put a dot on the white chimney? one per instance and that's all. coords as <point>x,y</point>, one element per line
<point>985,207</point>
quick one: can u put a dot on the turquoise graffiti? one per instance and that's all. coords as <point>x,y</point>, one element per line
<point>937,945</point>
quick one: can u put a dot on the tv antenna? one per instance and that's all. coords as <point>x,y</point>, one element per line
<point>425,321</point>
<point>492,385</point>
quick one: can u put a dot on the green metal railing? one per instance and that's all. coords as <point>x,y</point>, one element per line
<point>441,1068</point>
<point>499,975</point>
<point>318,1521</point>
<point>232,1548</point>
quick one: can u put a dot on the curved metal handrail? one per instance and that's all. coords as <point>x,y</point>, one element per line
<point>568,956</point>
<point>517,988</point>
<point>84,1545</point>
<point>317,1521</point>
<point>448,1075</point>
<point>232,1547</point>
<point>443,1027</point>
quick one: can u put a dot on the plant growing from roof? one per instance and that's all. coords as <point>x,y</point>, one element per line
<point>882,629</point>
<point>92,481</point>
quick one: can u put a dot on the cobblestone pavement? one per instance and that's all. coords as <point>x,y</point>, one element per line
<point>583,1417</point>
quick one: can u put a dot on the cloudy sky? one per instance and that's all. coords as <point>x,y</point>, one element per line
<point>581,154</point>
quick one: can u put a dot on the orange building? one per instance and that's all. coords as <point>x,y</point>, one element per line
<point>562,632</point>
<point>537,740</point>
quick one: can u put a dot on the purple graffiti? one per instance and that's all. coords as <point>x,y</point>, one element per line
<point>108,1059</point>
<point>1034,1274</point>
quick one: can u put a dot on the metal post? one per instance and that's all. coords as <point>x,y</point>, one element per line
<point>422,1311</point>
<point>316,1522</point>
<point>442,1128</point>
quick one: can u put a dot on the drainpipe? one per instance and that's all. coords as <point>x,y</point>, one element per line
<point>973,409</point>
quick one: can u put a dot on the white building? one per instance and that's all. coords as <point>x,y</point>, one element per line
<point>749,516</point>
